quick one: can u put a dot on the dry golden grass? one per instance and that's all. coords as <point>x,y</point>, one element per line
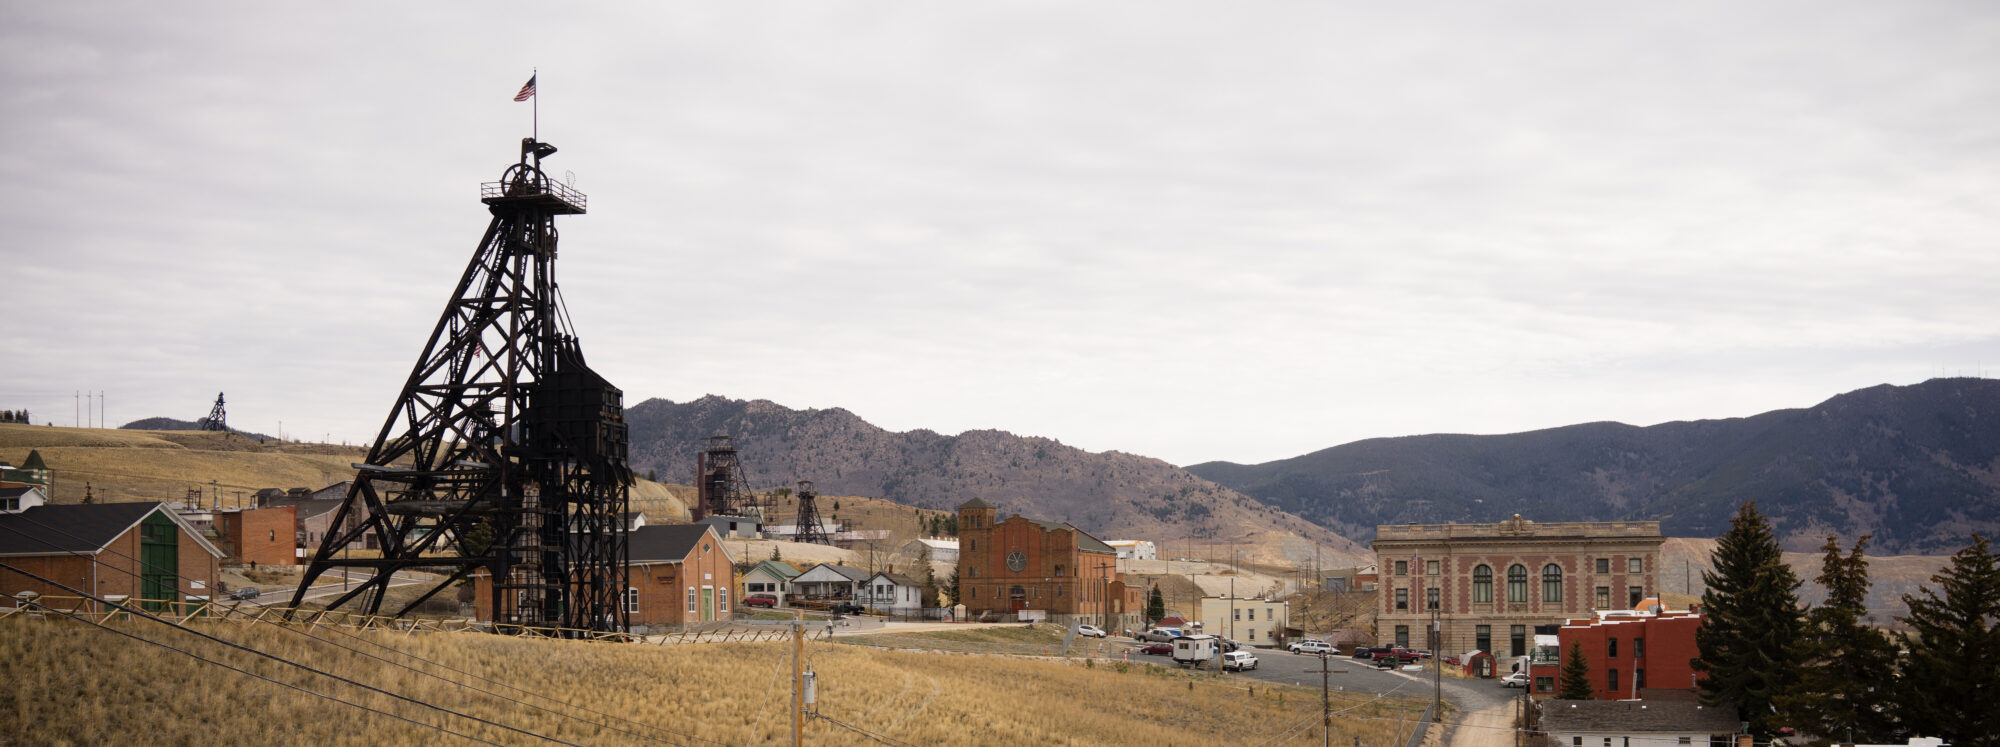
<point>73,684</point>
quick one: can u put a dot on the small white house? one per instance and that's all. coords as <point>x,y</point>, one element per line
<point>1134,549</point>
<point>773,577</point>
<point>1635,723</point>
<point>14,500</point>
<point>891,592</point>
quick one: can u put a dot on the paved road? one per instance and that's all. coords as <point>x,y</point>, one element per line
<point>1469,697</point>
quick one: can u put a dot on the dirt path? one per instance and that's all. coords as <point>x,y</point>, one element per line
<point>1492,727</point>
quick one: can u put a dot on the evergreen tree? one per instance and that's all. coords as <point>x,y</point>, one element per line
<point>1156,607</point>
<point>1844,664</point>
<point>775,555</point>
<point>1575,675</point>
<point>1751,623</point>
<point>1950,682</point>
<point>951,587</point>
<point>930,575</point>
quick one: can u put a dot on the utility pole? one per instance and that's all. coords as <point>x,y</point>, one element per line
<point>798,677</point>
<point>1325,705</point>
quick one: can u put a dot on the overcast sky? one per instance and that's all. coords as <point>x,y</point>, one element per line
<point>1239,231</point>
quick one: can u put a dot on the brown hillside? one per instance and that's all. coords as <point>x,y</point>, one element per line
<point>1685,558</point>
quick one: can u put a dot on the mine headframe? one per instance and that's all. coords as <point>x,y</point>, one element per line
<point>504,457</point>
<point>807,528</point>
<point>721,487</point>
<point>218,419</point>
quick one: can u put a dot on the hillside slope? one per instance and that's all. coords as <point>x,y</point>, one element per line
<point>1111,494</point>
<point>1916,466</point>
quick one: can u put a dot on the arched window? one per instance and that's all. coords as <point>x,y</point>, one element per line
<point>1552,583</point>
<point>1517,583</point>
<point>1482,584</point>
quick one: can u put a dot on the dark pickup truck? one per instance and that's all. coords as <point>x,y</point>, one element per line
<point>1395,656</point>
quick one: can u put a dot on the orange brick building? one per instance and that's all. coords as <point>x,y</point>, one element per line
<point>678,574</point>
<point>1632,655</point>
<point>263,536</point>
<point>138,551</point>
<point>1021,564</point>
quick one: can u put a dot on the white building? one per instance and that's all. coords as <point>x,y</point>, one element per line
<point>1636,723</point>
<point>1134,549</point>
<point>1255,622</point>
<point>891,592</point>
<point>942,550</point>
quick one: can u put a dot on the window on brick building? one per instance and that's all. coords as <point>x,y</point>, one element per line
<point>1430,568</point>
<point>1638,648</point>
<point>1517,583</point>
<point>1613,680</point>
<point>1482,584</point>
<point>1519,642</point>
<point>631,600</point>
<point>1604,597</point>
<point>722,600</point>
<point>691,607</point>
<point>1253,614</point>
<point>1431,598</point>
<point>1236,614</point>
<point>1402,568</point>
<point>1552,583</point>
<point>1635,593</point>
<point>1603,565</point>
<point>1611,648</point>
<point>1402,600</point>
<point>1635,565</point>
<point>1482,638</point>
<point>1403,635</point>
<point>1639,679</point>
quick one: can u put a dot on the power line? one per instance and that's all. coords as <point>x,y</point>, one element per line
<point>199,657</point>
<point>387,648</point>
<point>280,659</point>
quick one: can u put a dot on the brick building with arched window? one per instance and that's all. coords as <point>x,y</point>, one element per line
<point>1021,564</point>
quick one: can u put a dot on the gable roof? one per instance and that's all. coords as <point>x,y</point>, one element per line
<point>846,572</point>
<point>781,569</point>
<point>974,503</point>
<point>83,528</point>
<point>1084,541</point>
<point>895,578</point>
<point>1634,716</point>
<point>665,543</point>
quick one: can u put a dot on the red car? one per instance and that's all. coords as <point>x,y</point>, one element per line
<point>761,600</point>
<point>1157,649</point>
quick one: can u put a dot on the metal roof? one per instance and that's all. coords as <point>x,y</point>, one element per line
<point>82,528</point>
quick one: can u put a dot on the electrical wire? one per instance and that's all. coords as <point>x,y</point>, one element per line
<point>274,657</point>
<point>239,670</point>
<point>858,730</point>
<point>393,650</point>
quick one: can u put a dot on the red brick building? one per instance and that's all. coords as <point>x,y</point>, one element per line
<point>263,536</point>
<point>679,574</point>
<point>1492,585</point>
<point>1022,564</point>
<point>137,551</point>
<point>1630,654</point>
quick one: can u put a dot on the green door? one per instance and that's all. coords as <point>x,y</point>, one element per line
<point>707,603</point>
<point>159,560</point>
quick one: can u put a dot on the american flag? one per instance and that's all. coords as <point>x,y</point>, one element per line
<point>527,91</point>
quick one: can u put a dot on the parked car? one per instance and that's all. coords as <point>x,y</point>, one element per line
<point>1230,644</point>
<point>1090,631</point>
<point>1157,649</point>
<point>1517,679</point>
<point>1366,652</point>
<point>761,600</point>
<point>1239,661</point>
<point>846,608</point>
<point>1310,646</point>
<point>1398,655</point>
<point>247,592</point>
<point>1161,635</point>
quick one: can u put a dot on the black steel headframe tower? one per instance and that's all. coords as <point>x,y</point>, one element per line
<point>217,419</point>
<point>721,489</point>
<point>505,453</point>
<point>807,527</point>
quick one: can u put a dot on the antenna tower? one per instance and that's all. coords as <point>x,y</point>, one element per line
<point>217,419</point>
<point>721,489</point>
<point>505,453</point>
<point>807,527</point>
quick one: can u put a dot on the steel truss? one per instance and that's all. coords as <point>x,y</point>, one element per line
<point>504,456</point>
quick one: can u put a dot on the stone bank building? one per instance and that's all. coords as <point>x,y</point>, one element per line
<point>1491,586</point>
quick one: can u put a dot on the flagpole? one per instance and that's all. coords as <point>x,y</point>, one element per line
<point>537,78</point>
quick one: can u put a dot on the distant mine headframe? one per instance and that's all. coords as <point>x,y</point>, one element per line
<point>807,528</point>
<point>721,487</point>
<point>218,419</point>
<point>504,456</point>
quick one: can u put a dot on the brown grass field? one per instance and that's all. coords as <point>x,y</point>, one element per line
<point>73,684</point>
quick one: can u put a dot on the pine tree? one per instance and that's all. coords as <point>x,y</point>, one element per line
<point>951,587</point>
<point>1751,624</point>
<point>1156,607</point>
<point>930,575</point>
<point>1950,682</point>
<point>775,555</point>
<point>1844,664</point>
<point>1575,675</point>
